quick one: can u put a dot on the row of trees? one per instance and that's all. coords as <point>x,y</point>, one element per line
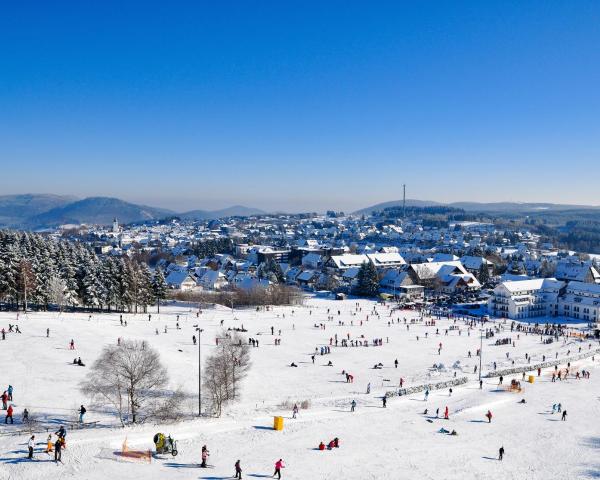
<point>41,271</point>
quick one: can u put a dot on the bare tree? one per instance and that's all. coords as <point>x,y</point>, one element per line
<point>225,369</point>
<point>26,280</point>
<point>131,372</point>
<point>57,287</point>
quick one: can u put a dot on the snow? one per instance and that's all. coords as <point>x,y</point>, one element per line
<point>396,442</point>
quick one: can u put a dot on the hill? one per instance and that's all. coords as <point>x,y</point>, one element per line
<point>97,210</point>
<point>505,207</point>
<point>15,208</point>
<point>235,211</point>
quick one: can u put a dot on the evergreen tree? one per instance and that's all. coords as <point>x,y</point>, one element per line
<point>367,280</point>
<point>159,287</point>
<point>484,274</point>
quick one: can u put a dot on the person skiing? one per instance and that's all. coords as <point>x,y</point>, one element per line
<point>368,388</point>
<point>25,415</point>
<point>9,415</point>
<point>82,411</point>
<point>30,445</point>
<point>295,410</point>
<point>384,401</point>
<point>10,393</point>
<point>238,470</point>
<point>205,455</point>
<point>278,466</point>
<point>501,453</point>
<point>353,405</point>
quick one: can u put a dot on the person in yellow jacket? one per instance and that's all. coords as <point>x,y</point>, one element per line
<point>49,444</point>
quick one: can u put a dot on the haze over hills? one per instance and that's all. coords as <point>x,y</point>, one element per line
<point>34,211</point>
<point>515,207</point>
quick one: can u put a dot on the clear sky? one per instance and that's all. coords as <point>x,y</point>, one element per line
<point>301,105</point>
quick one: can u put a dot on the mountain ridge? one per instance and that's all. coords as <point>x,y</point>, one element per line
<point>35,211</point>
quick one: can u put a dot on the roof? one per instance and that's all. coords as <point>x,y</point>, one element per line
<point>532,284</point>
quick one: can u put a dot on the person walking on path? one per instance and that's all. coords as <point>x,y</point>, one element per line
<point>278,466</point>
<point>30,445</point>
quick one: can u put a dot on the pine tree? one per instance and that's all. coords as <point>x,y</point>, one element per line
<point>159,287</point>
<point>367,280</point>
<point>483,274</point>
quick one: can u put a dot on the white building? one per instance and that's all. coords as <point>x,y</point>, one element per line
<point>537,297</point>
<point>541,297</point>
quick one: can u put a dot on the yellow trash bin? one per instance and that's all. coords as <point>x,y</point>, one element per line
<point>277,423</point>
<point>531,379</point>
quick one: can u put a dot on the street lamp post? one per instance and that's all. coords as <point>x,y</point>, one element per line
<point>480,351</point>
<point>199,330</point>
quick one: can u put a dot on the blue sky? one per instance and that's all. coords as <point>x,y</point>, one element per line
<point>301,105</point>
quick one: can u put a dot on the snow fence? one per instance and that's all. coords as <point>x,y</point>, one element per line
<point>530,368</point>
<point>400,392</point>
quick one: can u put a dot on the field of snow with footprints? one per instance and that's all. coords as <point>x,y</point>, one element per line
<point>397,441</point>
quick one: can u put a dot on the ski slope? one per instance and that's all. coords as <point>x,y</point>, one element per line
<point>396,442</point>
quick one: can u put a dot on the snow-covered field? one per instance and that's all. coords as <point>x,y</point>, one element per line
<point>395,442</point>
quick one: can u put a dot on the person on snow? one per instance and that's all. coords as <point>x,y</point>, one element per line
<point>205,456</point>
<point>10,393</point>
<point>4,400</point>
<point>501,453</point>
<point>331,445</point>
<point>295,410</point>
<point>30,445</point>
<point>353,405</point>
<point>9,414</point>
<point>238,470</point>
<point>61,433</point>
<point>278,466</point>
<point>49,444</point>
<point>368,388</point>
<point>426,394</point>
<point>489,416</point>
<point>384,401</point>
<point>82,411</point>
<point>25,416</point>
<point>58,449</point>
<point>321,446</point>
<point>564,416</point>
<point>446,413</point>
